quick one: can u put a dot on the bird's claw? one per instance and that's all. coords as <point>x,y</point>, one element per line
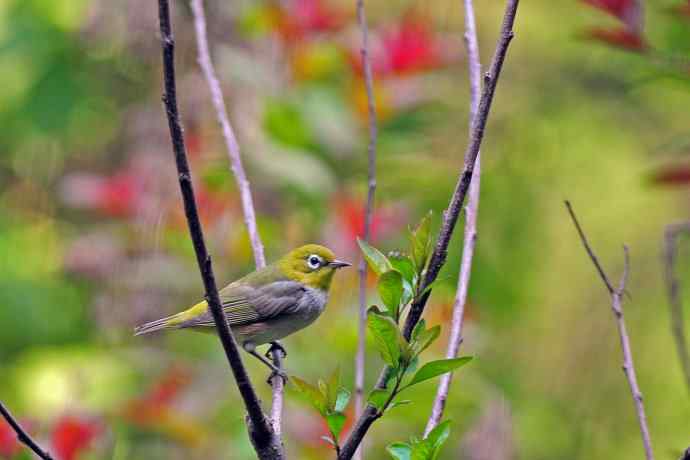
<point>277,373</point>
<point>276,346</point>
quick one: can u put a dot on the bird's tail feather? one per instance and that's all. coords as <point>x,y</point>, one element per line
<point>163,323</point>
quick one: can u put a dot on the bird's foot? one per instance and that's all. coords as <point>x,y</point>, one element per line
<point>276,346</point>
<point>277,373</point>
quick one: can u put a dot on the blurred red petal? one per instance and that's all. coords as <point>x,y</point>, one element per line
<point>9,446</point>
<point>619,38</point>
<point>629,12</point>
<point>672,175</point>
<point>304,17</point>
<point>155,402</point>
<point>72,435</point>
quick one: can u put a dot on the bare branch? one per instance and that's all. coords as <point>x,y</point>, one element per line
<point>228,133</point>
<point>674,297</point>
<point>617,307</point>
<point>368,212</point>
<point>237,168</point>
<point>265,443</point>
<point>470,234</point>
<point>22,435</point>
<point>440,252</point>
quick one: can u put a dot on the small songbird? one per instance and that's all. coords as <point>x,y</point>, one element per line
<point>268,304</point>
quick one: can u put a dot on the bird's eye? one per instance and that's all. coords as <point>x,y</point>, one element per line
<point>314,261</point>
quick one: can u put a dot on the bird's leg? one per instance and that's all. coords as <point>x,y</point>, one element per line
<point>275,345</point>
<point>250,348</point>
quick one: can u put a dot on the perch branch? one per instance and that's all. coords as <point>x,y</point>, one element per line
<point>22,435</point>
<point>440,252</point>
<point>674,298</point>
<point>470,234</point>
<point>617,308</point>
<point>240,175</point>
<point>368,211</point>
<point>265,443</point>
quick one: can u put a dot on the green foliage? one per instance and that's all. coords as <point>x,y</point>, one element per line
<point>439,367</point>
<point>330,401</point>
<point>420,243</point>
<point>389,342</point>
<point>421,449</point>
<point>376,260</point>
<point>391,290</point>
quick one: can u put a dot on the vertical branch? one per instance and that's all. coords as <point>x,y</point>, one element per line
<point>438,257</point>
<point>22,435</point>
<point>243,186</point>
<point>470,234</point>
<point>368,212</point>
<point>674,297</point>
<point>228,133</point>
<point>261,434</point>
<point>617,308</point>
<point>440,253</point>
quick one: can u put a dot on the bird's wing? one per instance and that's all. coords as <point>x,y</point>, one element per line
<point>245,304</point>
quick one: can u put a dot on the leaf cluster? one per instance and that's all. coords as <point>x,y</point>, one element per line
<point>330,400</point>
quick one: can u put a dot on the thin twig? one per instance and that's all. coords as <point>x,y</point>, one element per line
<point>617,307</point>
<point>267,446</point>
<point>674,297</point>
<point>243,186</point>
<point>22,435</point>
<point>228,133</point>
<point>470,234</point>
<point>440,252</point>
<point>368,212</point>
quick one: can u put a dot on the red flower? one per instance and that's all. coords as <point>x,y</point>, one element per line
<point>672,175</point>
<point>618,8</point>
<point>9,445</point>
<point>620,38</point>
<point>304,17</point>
<point>72,435</point>
<point>158,398</point>
<point>411,47</point>
<point>405,48</point>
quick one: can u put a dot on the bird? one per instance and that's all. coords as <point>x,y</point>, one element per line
<point>268,304</point>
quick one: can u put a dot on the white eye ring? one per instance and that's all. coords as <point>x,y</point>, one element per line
<point>314,261</point>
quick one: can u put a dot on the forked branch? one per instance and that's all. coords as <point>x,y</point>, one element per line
<point>617,308</point>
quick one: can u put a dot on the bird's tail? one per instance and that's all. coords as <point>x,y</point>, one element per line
<point>160,324</point>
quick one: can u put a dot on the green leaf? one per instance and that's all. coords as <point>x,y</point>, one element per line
<point>435,368</point>
<point>335,422</point>
<point>313,395</point>
<point>400,451</point>
<point>386,337</point>
<point>438,436</point>
<point>420,239</point>
<point>342,399</point>
<point>424,339</point>
<point>391,289</point>
<point>376,260</point>
<point>404,402</point>
<point>418,329</point>
<point>332,388</point>
<point>378,398</point>
<point>404,265</point>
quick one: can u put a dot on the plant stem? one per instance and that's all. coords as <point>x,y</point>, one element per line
<point>470,234</point>
<point>368,212</point>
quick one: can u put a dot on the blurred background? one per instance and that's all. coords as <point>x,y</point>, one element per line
<point>592,106</point>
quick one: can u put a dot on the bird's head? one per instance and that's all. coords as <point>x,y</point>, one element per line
<point>312,265</point>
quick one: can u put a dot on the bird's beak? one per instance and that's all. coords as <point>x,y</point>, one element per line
<point>339,264</point>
